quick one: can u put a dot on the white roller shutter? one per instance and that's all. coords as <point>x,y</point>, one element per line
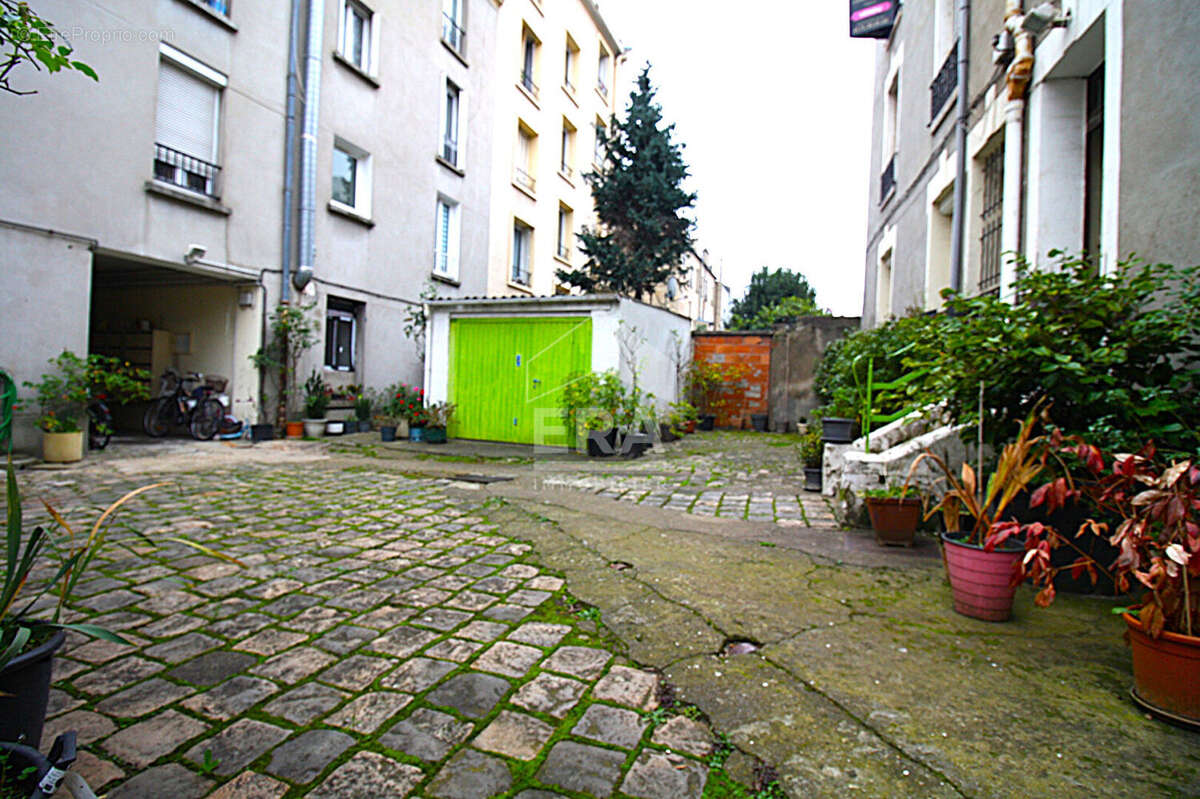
<point>187,112</point>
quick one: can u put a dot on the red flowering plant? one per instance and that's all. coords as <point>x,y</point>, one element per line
<point>1157,535</point>
<point>419,417</point>
<point>404,399</point>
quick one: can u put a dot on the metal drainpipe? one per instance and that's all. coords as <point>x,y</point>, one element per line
<point>289,150</point>
<point>308,148</point>
<point>959,220</point>
<point>1019,73</point>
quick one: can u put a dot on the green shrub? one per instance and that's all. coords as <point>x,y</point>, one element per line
<point>1117,355</point>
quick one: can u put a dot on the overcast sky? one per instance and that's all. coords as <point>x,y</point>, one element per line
<point>773,100</point>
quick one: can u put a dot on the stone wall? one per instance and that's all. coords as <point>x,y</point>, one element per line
<point>751,352</point>
<point>796,352</point>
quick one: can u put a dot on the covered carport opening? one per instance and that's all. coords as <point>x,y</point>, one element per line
<point>195,316</point>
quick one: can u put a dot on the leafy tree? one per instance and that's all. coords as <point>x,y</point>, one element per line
<point>642,235</point>
<point>787,310</point>
<point>27,38</point>
<point>767,289</point>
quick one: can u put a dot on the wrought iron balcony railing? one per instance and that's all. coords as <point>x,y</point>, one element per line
<point>452,34</point>
<point>944,84</point>
<point>887,181</point>
<point>181,169</point>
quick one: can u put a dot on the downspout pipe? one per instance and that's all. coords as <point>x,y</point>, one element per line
<point>308,147</point>
<point>959,220</point>
<point>1020,71</point>
<point>289,150</point>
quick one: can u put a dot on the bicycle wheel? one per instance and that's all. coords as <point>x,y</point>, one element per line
<point>206,419</point>
<point>99,428</point>
<point>157,421</point>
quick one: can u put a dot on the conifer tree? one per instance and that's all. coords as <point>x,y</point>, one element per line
<point>641,233</point>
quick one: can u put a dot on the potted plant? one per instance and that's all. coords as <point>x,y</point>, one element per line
<point>404,401</point>
<point>682,417</point>
<point>293,332</point>
<point>362,412</point>
<point>591,406</point>
<point>894,515</point>
<point>811,451</point>
<point>27,644</point>
<point>979,563</point>
<point>64,393</point>
<point>1158,537</point>
<point>440,414</point>
<point>316,402</point>
<point>418,420</point>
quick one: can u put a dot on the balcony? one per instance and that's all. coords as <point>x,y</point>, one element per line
<point>526,80</point>
<point>943,86</point>
<point>452,34</point>
<point>887,181</point>
<point>181,169</point>
<point>524,179</point>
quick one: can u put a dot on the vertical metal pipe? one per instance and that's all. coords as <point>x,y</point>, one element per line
<point>289,149</point>
<point>308,146</point>
<point>959,220</point>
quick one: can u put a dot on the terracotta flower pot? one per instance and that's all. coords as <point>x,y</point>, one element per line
<point>1166,672</point>
<point>894,520</point>
<point>62,447</point>
<point>981,581</point>
<point>294,429</point>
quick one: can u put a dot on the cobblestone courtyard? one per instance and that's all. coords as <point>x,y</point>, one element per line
<point>380,638</point>
<point>394,630</point>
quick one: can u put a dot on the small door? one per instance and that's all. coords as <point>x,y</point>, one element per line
<point>507,375</point>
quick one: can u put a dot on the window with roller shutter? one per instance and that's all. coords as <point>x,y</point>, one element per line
<point>187,123</point>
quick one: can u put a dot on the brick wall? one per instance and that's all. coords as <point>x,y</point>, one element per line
<point>752,353</point>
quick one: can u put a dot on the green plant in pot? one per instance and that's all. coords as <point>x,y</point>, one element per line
<point>895,513</point>
<point>812,450</point>
<point>979,564</point>
<point>440,416</point>
<point>28,641</point>
<point>64,393</point>
<point>682,417</point>
<point>293,332</point>
<point>592,405</point>
<point>1158,538</point>
<point>362,411</point>
<point>316,403</point>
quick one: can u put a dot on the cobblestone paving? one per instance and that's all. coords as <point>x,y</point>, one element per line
<point>754,477</point>
<point>382,639</point>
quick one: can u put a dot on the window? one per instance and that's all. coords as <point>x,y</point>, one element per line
<point>883,289</point>
<point>571,58</point>
<point>523,165</point>
<point>568,148</point>
<point>451,114</point>
<point>187,122</point>
<point>529,47</point>
<point>341,333</point>
<point>601,132</point>
<point>220,6</point>
<point>454,23</point>
<point>891,111</point>
<point>522,246</point>
<point>447,246</point>
<point>602,69</point>
<point>564,232</point>
<point>351,178</point>
<point>355,44</point>
<point>990,218</point>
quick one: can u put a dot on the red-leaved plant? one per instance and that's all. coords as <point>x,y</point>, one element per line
<point>1158,536</point>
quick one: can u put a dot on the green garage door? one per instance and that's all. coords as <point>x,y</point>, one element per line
<point>506,376</point>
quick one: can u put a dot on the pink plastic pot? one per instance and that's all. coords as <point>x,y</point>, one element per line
<point>980,581</point>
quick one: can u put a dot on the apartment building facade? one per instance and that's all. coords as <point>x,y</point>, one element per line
<point>697,292</point>
<point>557,70</point>
<point>167,227</point>
<point>1081,136</point>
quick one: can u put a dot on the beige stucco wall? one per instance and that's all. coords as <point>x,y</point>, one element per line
<point>551,21</point>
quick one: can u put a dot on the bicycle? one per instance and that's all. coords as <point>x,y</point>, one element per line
<point>186,401</point>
